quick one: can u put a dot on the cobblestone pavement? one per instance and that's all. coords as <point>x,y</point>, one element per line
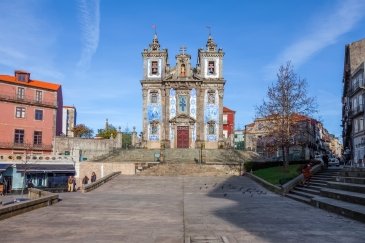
<point>180,209</point>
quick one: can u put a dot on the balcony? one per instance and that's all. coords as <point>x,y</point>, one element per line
<point>357,110</point>
<point>359,84</point>
<point>27,100</point>
<point>26,146</point>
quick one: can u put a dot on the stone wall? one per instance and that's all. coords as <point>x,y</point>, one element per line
<point>102,169</point>
<point>86,148</point>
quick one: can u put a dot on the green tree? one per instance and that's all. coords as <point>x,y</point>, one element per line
<point>126,139</point>
<point>82,131</point>
<point>109,131</point>
<point>286,99</point>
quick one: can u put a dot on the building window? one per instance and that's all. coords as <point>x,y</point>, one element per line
<point>38,96</point>
<point>20,93</point>
<point>361,124</point>
<point>211,67</point>
<point>183,103</point>
<point>154,97</point>
<point>37,138</point>
<point>154,67</point>
<point>225,119</point>
<point>154,128</point>
<point>38,115</point>
<point>19,136</point>
<point>20,112</point>
<point>211,97</point>
<point>182,71</point>
<point>211,128</point>
<point>21,77</point>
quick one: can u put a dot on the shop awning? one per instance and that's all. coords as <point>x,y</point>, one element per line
<point>45,168</point>
<point>3,167</point>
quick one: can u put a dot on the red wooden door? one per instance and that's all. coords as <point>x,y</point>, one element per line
<point>183,137</point>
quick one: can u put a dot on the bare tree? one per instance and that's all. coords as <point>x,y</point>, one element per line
<point>285,99</point>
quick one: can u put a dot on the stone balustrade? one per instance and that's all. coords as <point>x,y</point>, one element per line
<point>99,182</point>
<point>37,199</point>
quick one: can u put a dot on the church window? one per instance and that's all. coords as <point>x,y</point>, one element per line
<point>211,97</point>
<point>211,67</point>
<point>211,128</point>
<point>154,96</point>
<point>183,72</point>
<point>183,104</point>
<point>154,67</point>
<point>154,128</point>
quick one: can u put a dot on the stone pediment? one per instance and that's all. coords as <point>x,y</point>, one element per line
<point>182,118</point>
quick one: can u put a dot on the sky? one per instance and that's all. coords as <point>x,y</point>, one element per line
<point>93,49</point>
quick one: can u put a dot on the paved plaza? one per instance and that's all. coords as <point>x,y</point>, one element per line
<point>180,209</point>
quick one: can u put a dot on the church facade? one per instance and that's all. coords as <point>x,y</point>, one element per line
<point>183,105</point>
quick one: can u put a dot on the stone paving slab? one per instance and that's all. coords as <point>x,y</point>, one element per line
<point>176,209</point>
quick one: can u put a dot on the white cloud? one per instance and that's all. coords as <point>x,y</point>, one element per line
<point>326,31</point>
<point>90,28</point>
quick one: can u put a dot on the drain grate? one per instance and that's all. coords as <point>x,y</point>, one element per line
<point>206,239</point>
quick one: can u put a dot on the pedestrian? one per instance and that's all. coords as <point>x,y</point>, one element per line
<point>74,184</point>
<point>85,180</point>
<point>306,174</point>
<point>30,183</point>
<point>70,184</point>
<point>93,177</point>
<point>325,160</point>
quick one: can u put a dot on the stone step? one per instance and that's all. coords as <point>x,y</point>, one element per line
<point>326,178</point>
<point>355,180</point>
<point>299,198</point>
<point>318,183</point>
<point>347,186</point>
<point>302,193</point>
<point>353,174</point>
<point>328,173</point>
<point>313,187</point>
<point>347,209</point>
<point>353,197</point>
<point>305,189</point>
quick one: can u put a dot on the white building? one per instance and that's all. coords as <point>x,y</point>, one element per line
<point>68,120</point>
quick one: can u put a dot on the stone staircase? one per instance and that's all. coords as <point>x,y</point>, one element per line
<point>226,156</point>
<point>341,191</point>
<point>134,155</point>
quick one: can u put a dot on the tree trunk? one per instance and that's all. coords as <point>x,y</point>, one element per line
<point>286,156</point>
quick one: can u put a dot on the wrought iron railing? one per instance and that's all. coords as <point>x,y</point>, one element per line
<point>26,146</point>
<point>27,100</point>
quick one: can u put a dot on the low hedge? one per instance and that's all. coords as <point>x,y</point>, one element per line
<point>254,165</point>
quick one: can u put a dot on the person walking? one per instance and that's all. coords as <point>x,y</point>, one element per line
<point>74,184</point>
<point>93,177</point>
<point>307,174</point>
<point>85,180</point>
<point>70,184</point>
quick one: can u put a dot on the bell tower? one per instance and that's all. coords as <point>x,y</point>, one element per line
<point>154,61</point>
<point>210,60</point>
<point>155,67</point>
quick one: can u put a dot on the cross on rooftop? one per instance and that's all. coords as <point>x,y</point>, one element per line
<point>183,50</point>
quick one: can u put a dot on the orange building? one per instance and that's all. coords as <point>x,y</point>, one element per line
<point>30,114</point>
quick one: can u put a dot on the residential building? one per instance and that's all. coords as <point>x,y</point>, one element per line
<point>183,105</point>
<point>353,101</point>
<point>303,144</point>
<point>239,139</point>
<point>228,126</point>
<point>31,114</point>
<point>335,146</point>
<point>68,120</point>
